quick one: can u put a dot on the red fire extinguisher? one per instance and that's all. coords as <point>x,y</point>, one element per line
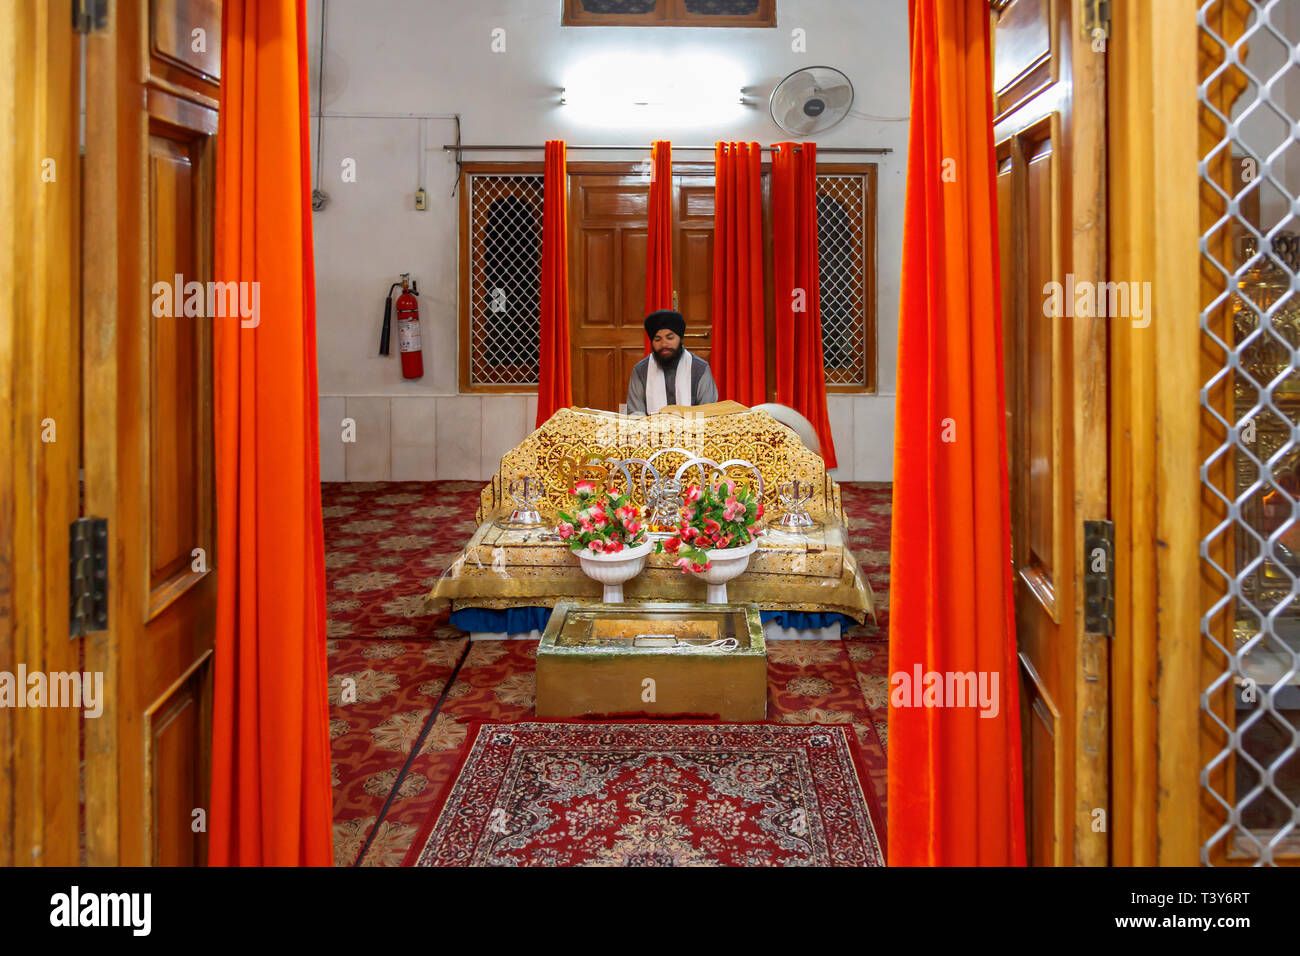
<point>408,328</point>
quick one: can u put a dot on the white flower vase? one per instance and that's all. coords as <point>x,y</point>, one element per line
<point>727,563</point>
<point>612,570</point>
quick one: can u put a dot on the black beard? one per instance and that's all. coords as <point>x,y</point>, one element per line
<point>671,360</point>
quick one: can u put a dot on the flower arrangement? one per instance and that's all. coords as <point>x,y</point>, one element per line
<point>604,522</point>
<point>716,516</point>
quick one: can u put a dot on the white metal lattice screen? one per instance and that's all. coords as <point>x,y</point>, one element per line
<point>842,251</point>
<point>1250,321</point>
<point>505,271</point>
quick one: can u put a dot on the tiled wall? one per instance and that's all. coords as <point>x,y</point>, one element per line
<point>436,437</point>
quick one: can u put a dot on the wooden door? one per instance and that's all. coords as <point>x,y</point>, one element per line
<point>151,123</point>
<point>1049,89</point>
<point>40,444</point>
<point>608,225</point>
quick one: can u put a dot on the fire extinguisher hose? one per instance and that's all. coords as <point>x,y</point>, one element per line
<point>388,319</point>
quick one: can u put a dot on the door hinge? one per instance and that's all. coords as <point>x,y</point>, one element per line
<point>89,16</point>
<point>87,576</point>
<point>1099,577</point>
<point>1096,19</point>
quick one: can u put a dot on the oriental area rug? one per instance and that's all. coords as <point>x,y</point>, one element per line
<point>688,793</point>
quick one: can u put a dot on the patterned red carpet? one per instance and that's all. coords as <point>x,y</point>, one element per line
<point>404,686</point>
<point>653,794</point>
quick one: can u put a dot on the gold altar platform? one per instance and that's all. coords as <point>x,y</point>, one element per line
<point>503,567</point>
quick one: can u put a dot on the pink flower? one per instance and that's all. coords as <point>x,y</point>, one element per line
<point>731,487</point>
<point>614,547</point>
<point>689,533</point>
<point>711,526</point>
<point>564,530</point>
<point>733,509</point>
<point>684,564</point>
<point>701,567</point>
<point>725,542</point>
<point>692,494</point>
<point>595,546</point>
<point>584,488</point>
<point>634,526</point>
<point>760,510</point>
<point>584,524</point>
<point>626,513</point>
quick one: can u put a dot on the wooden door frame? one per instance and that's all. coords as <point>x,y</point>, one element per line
<point>1155,490</point>
<point>40,343</point>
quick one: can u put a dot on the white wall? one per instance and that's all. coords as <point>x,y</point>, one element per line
<point>434,57</point>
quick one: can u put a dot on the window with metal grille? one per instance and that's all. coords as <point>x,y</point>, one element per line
<point>1250,322</point>
<point>502,246</point>
<point>670,13</point>
<point>845,240</point>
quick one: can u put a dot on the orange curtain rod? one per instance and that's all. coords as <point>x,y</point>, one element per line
<point>874,150</point>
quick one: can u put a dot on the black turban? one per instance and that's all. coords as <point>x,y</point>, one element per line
<point>665,319</point>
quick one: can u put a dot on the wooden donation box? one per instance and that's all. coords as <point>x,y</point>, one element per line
<point>654,658</point>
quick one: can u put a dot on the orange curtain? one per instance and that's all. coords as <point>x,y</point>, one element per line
<point>555,385</point>
<point>796,267</point>
<point>954,776</point>
<point>738,356</point>
<point>271,798</point>
<point>659,240</point>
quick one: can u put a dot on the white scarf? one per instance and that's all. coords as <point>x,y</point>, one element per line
<point>656,390</point>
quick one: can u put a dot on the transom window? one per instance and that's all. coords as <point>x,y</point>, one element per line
<point>670,13</point>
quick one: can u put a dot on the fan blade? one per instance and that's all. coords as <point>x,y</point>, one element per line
<point>799,87</point>
<point>796,121</point>
<point>838,97</point>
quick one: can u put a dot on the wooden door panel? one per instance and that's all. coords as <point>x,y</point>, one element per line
<point>599,280</point>
<point>630,319</point>
<point>597,367</point>
<point>1041,449</point>
<point>1024,49</point>
<point>151,143</point>
<point>176,427</point>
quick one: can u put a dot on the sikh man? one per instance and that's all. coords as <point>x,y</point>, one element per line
<point>669,375</point>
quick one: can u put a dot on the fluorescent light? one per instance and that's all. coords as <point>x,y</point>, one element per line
<point>640,89</point>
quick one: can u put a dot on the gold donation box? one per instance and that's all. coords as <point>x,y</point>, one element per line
<point>653,659</point>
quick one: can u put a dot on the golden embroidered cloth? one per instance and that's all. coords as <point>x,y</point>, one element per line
<point>503,567</point>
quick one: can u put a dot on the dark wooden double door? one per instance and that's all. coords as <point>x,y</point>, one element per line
<point>608,228</point>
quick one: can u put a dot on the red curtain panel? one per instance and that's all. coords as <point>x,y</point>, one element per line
<point>555,384</point>
<point>271,798</point>
<point>796,267</point>
<point>659,240</point>
<point>737,353</point>
<point>955,789</point>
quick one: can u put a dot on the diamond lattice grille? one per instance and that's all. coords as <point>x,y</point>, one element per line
<point>1250,322</point>
<point>505,267</point>
<point>841,241</point>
